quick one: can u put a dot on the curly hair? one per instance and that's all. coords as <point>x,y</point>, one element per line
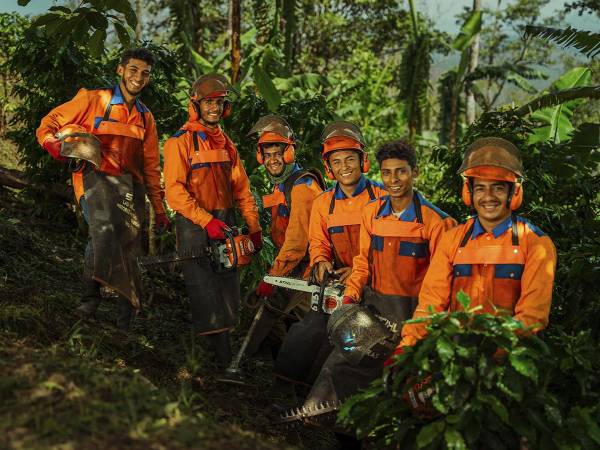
<point>138,53</point>
<point>398,149</point>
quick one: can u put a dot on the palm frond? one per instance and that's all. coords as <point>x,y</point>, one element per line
<point>558,97</point>
<point>516,74</point>
<point>586,42</point>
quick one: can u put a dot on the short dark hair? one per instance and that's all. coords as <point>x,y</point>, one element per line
<point>138,53</point>
<point>398,149</point>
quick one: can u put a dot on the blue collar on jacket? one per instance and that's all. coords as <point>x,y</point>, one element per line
<point>498,230</point>
<point>408,215</point>
<point>361,186</point>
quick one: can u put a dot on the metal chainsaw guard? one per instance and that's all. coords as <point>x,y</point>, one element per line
<point>355,332</point>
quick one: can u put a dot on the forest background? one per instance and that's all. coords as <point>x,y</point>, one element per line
<point>525,70</point>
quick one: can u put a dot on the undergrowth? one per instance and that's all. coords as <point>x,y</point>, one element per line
<point>72,384</point>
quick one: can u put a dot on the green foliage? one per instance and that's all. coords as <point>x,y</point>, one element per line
<point>414,81</point>
<point>11,31</point>
<point>467,32</point>
<point>554,110</point>
<point>516,74</point>
<point>585,41</point>
<point>88,23</point>
<point>493,385</point>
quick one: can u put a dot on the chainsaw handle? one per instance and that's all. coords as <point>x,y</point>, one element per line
<point>324,283</point>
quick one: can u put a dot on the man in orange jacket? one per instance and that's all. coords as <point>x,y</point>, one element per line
<point>130,165</point>
<point>289,204</point>
<point>204,181</point>
<point>333,242</point>
<point>504,263</point>
<point>398,235</point>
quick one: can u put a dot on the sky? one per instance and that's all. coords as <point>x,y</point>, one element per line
<point>442,12</point>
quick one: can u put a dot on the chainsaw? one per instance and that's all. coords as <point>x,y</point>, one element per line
<point>325,297</point>
<point>225,255</point>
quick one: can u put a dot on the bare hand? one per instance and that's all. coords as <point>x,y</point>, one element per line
<point>343,274</point>
<point>322,267</point>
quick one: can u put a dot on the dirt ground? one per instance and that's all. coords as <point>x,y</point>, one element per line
<point>71,384</point>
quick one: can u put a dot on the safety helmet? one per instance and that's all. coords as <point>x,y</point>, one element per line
<point>273,129</point>
<point>495,159</point>
<point>78,143</point>
<point>342,135</point>
<point>211,85</point>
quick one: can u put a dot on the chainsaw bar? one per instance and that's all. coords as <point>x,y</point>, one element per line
<point>170,258</point>
<point>309,414</point>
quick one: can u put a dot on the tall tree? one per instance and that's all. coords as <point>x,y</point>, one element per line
<point>138,28</point>
<point>473,61</point>
<point>235,22</point>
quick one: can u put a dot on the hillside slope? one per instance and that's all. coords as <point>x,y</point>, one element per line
<point>71,384</point>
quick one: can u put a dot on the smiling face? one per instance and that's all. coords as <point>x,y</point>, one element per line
<point>211,110</point>
<point>135,76</point>
<point>273,158</point>
<point>490,200</point>
<point>345,165</point>
<point>398,177</point>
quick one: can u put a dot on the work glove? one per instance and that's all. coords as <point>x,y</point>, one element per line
<point>347,300</point>
<point>256,238</point>
<point>216,229</point>
<point>52,146</point>
<point>390,360</point>
<point>161,223</point>
<point>265,289</point>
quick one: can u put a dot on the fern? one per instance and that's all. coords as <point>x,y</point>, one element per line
<point>585,41</point>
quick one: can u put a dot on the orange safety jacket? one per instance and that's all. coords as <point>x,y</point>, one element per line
<point>395,251</point>
<point>509,270</point>
<point>129,141</point>
<point>335,223</point>
<point>289,228</point>
<point>204,173</point>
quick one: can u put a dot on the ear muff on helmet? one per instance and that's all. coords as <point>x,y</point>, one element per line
<point>466,193</point>
<point>227,108</point>
<point>328,171</point>
<point>365,164</point>
<point>515,196</point>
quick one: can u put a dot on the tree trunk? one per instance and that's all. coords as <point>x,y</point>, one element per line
<point>196,22</point>
<point>473,61</point>
<point>452,132</point>
<point>16,179</point>
<point>138,28</point>
<point>235,13</point>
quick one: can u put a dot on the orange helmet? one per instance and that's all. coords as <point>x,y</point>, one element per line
<point>342,135</point>
<point>210,85</point>
<point>274,129</point>
<point>495,159</point>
